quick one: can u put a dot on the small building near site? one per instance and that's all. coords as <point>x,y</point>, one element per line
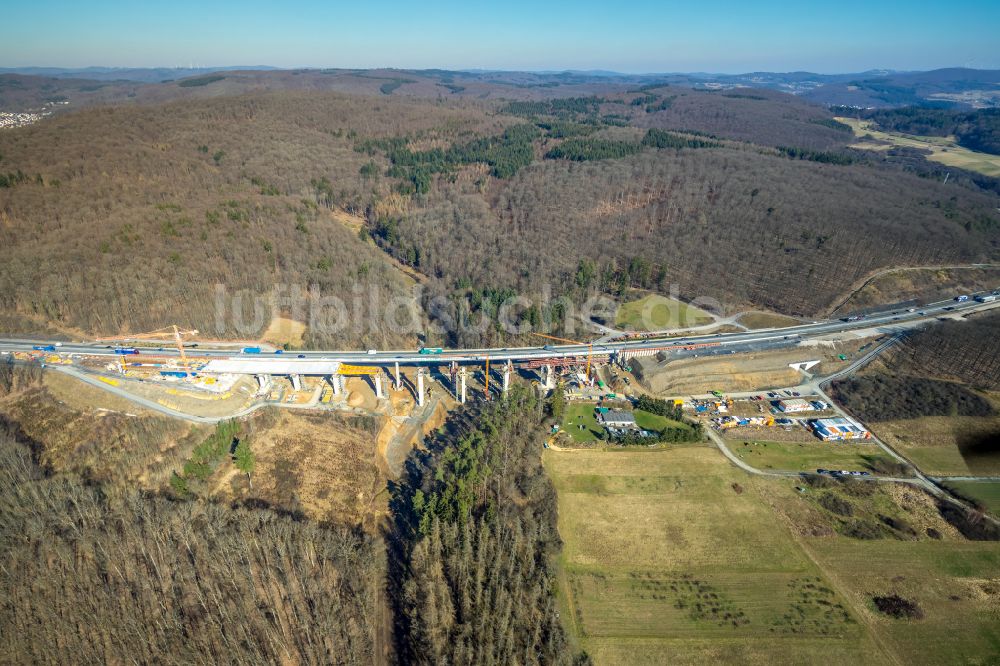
<point>794,405</point>
<point>615,418</point>
<point>839,428</point>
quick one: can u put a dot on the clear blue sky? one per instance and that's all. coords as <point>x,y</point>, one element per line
<point>628,36</point>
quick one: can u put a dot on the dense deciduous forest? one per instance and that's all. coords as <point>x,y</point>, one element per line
<point>98,574</point>
<point>135,225</point>
<point>133,215</point>
<point>765,117</point>
<point>476,537</point>
<point>884,397</point>
<point>936,371</point>
<point>100,566</point>
<point>695,218</point>
<point>964,351</point>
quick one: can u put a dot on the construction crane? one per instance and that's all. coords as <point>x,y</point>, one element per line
<point>172,330</point>
<point>590,347</point>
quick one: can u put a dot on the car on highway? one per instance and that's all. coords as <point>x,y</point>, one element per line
<point>279,351</point>
<point>301,356</point>
<point>372,352</point>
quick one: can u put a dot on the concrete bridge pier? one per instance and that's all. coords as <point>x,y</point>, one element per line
<point>296,382</point>
<point>399,384</point>
<point>549,377</point>
<point>378,385</point>
<point>336,381</point>
<point>263,382</point>
<point>507,369</point>
<point>461,379</point>
<point>420,387</point>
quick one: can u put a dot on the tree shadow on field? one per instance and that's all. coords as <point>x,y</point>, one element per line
<point>980,448</point>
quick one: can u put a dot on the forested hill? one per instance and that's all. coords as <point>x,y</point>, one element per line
<point>107,574</point>
<point>874,89</point>
<point>127,216</point>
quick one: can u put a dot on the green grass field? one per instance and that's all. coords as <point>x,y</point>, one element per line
<point>805,457</point>
<point>654,421</point>
<point>946,460</point>
<point>666,562</point>
<point>943,149</point>
<point>582,413</point>
<point>674,556</point>
<point>577,414</point>
<point>934,443</point>
<point>988,493</point>
<point>955,583</point>
<point>654,312</point>
<point>758,320</point>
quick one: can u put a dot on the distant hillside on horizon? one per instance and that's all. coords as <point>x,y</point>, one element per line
<point>961,87</point>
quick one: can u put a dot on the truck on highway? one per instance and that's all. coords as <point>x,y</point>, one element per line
<point>431,350</point>
<point>251,350</point>
<point>125,351</point>
<point>961,299</point>
<point>48,348</point>
<point>989,298</point>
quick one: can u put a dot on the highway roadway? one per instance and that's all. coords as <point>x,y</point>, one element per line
<point>720,343</point>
